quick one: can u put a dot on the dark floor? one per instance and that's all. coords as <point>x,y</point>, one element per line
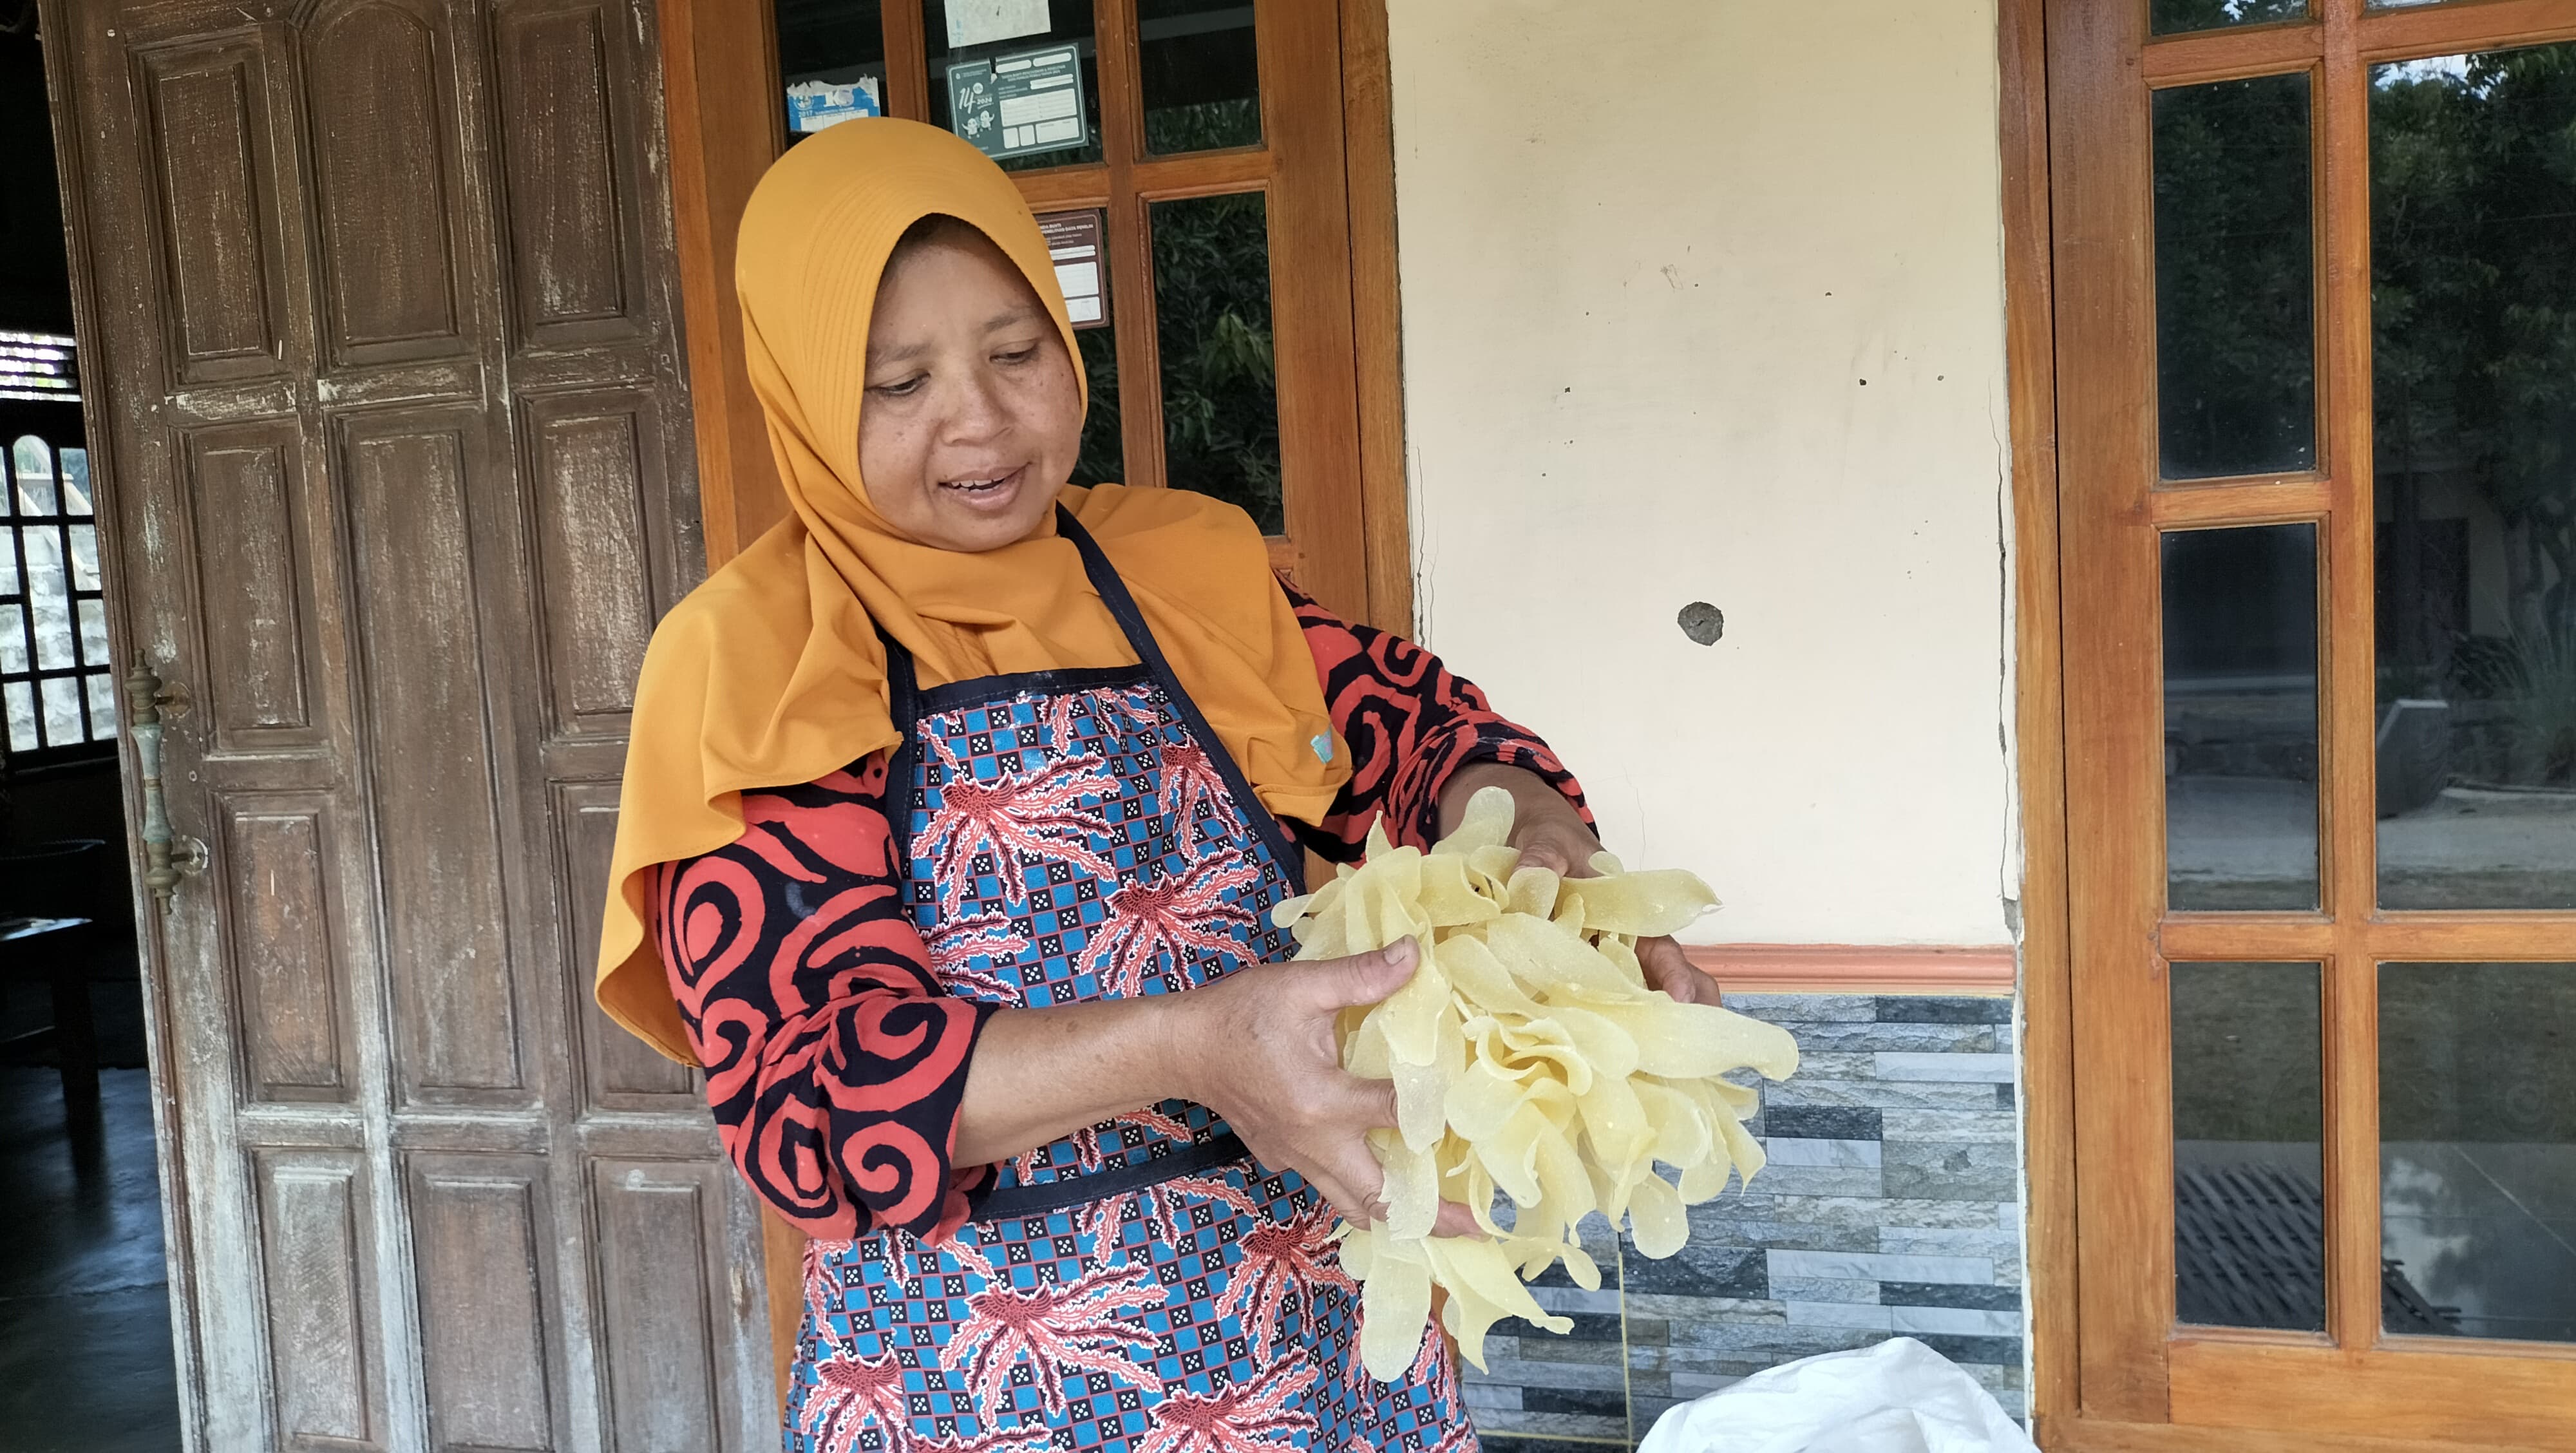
<point>85,1352</point>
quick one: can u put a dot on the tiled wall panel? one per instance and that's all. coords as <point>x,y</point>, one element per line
<point>1891,1206</point>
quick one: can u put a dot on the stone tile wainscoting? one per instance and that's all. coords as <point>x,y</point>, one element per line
<point>1892,1206</point>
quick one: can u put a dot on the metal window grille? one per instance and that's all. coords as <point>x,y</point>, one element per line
<point>57,689</point>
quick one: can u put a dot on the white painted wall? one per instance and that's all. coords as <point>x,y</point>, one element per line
<point>1703,300</point>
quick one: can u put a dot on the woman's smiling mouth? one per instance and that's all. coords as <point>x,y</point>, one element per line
<point>983,484</point>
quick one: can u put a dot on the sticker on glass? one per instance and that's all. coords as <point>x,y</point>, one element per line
<point>1074,245</point>
<point>978,22</point>
<point>1018,105</point>
<point>813,105</point>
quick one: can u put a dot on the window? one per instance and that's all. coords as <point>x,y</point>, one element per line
<point>56,687</point>
<point>1220,192</point>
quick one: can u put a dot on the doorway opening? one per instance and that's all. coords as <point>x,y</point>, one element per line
<point>86,1358</point>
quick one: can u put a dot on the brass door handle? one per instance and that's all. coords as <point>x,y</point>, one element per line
<point>147,699</point>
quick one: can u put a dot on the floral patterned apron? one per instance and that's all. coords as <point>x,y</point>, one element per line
<point>1142,1285</point>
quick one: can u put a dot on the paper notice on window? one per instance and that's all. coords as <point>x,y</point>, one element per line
<point>981,22</point>
<point>1018,104</point>
<point>1073,242</point>
<point>813,105</point>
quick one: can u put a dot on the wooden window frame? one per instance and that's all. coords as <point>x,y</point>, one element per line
<point>2111,1371</point>
<point>1348,540</point>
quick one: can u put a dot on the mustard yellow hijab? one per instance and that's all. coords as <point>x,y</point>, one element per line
<point>771,673</point>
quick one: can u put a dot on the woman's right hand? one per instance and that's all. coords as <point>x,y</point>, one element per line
<point>1258,1048</point>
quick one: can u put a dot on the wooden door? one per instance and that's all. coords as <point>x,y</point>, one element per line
<point>391,437</point>
<point>1239,157</point>
<point>2316,327</point>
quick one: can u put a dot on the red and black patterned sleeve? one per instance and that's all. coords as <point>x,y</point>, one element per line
<point>1411,725</point>
<point>835,1062</point>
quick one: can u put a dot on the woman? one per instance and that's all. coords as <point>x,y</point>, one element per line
<point>954,817</point>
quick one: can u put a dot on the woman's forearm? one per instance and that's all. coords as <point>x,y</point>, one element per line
<point>1041,1074</point>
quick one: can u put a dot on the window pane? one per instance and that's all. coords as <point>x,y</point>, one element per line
<point>75,472</point>
<point>2171,16</point>
<point>31,463</point>
<point>2235,338</point>
<point>19,700</point>
<point>1212,311</point>
<point>831,57</point>
<point>93,633</point>
<point>2473,261</point>
<point>102,706</point>
<point>1069,22</point>
<point>2249,1160</point>
<point>1104,449</point>
<point>13,639</point>
<point>1201,75</point>
<point>49,597</point>
<point>62,700</point>
<point>84,557</point>
<point>2477,1168</point>
<point>2240,663</point>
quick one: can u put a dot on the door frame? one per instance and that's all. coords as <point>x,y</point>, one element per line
<point>2091,1387</point>
<point>726,124</point>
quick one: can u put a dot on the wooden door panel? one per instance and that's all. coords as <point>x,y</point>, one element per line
<point>389,423</point>
<point>209,124</point>
<point>327,1379</point>
<point>618,1071</point>
<point>295,1039</point>
<point>438,842</point>
<point>492,1362</point>
<point>594,478</point>
<point>243,486</point>
<point>660,1268</point>
<point>373,77</point>
<point>576,265</point>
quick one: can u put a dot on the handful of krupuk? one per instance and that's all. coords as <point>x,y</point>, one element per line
<point>1528,1054</point>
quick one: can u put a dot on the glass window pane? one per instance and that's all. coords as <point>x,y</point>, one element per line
<point>2235,279</point>
<point>31,464</point>
<point>1212,312</point>
<point>19,700</point>
<point>49,597</point>
<point>1201,75</point>
<point>1068,22</point>
<point>93,633</point>
<point>2172,16</point>
<point>102,706</point>
<point>84,557</point>
<point>1104,448</point>
<point>75,472</point>
<point>2240,667</point>
<point>2249,1160</point>
<point>2473,262</point>
<point>8,559</point>
<point>62,702</point>
<point>13,639</point>
<point>2477,1159</point>
<point>831,58</point>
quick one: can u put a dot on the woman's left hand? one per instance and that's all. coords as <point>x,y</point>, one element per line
<point>1552,835</point>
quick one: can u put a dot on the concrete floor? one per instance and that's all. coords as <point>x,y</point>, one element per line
<point>85,1352</point>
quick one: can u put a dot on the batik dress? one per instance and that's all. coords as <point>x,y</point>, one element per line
<point>1142,1285</point>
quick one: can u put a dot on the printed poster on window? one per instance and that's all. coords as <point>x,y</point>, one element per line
<point>1019,104</point>
<point>1074,241</point>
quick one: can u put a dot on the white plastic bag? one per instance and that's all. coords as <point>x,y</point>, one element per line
<point>1897,1397</point>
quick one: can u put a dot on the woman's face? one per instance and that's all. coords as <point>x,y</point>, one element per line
<point>973,417</point>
